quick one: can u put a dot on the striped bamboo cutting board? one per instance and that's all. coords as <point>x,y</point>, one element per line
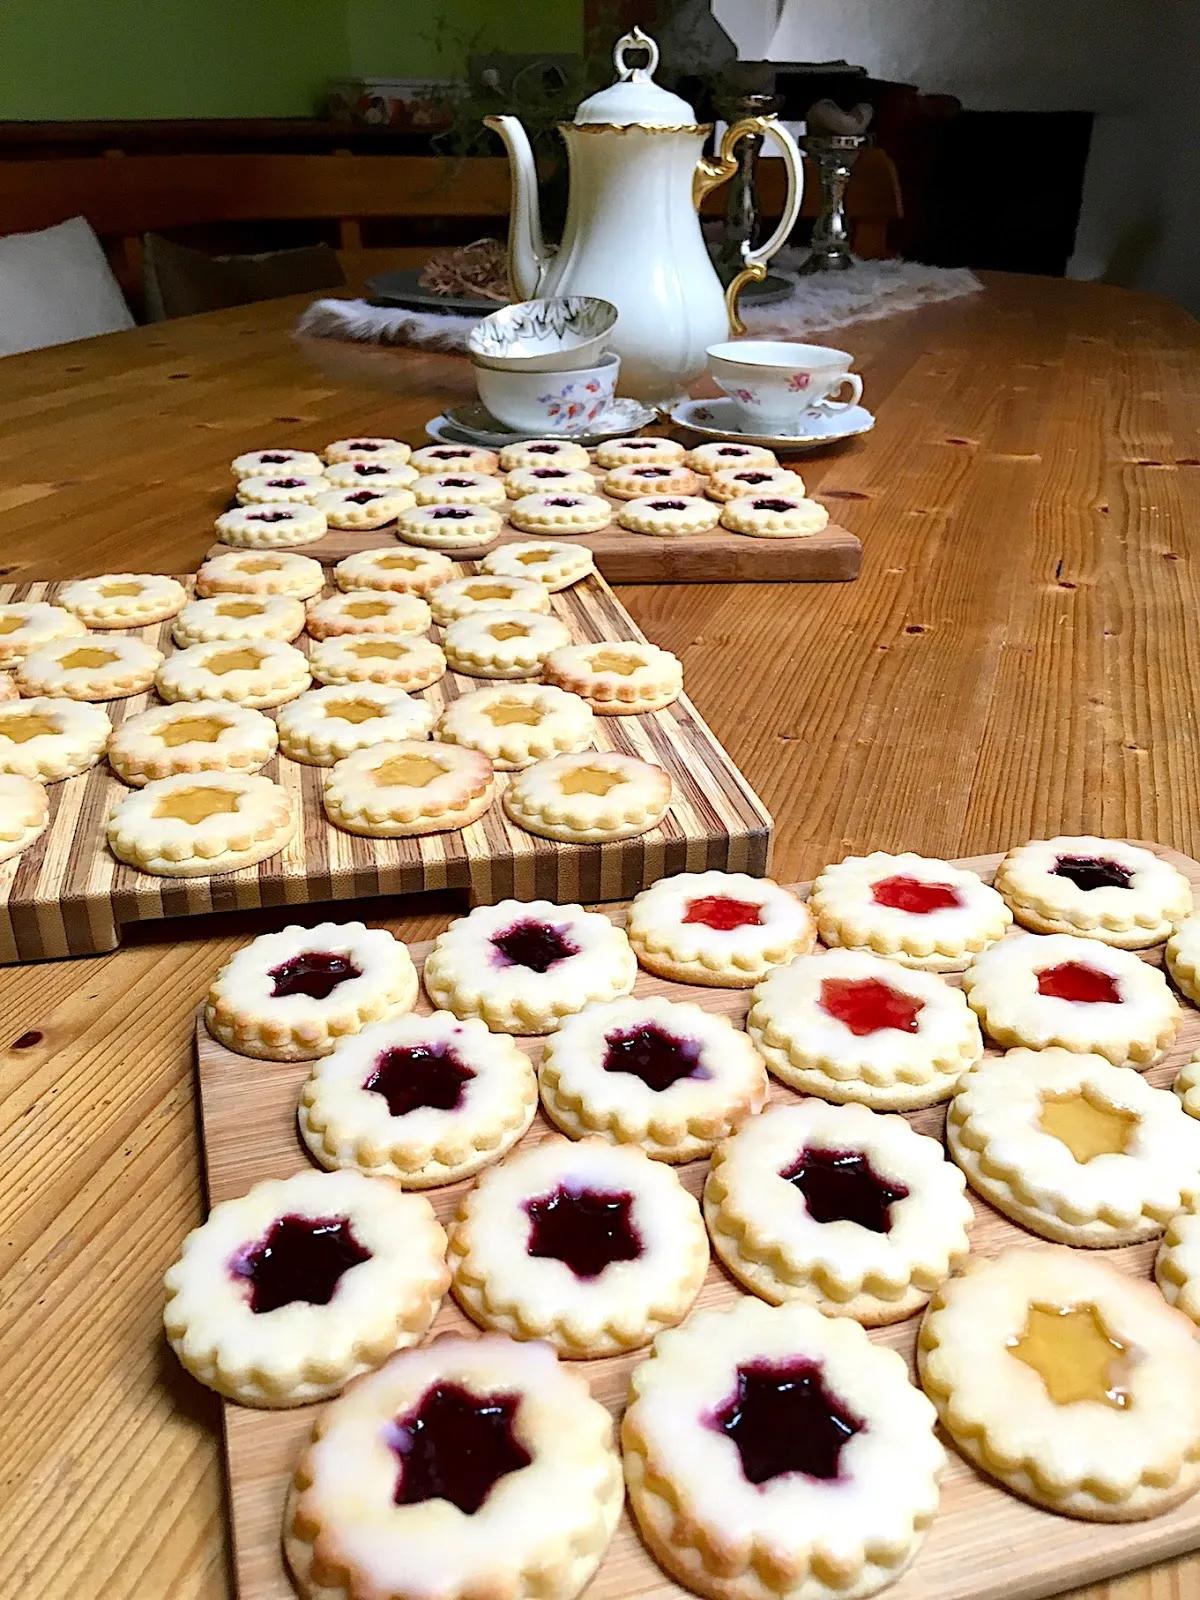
<point>67,895</point>
<point>984,1544</point>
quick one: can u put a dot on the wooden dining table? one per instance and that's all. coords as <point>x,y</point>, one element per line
<point>1019,657</point>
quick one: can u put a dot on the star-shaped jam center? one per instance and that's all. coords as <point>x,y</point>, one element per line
<point>418,1076</point>
<point>867,1005</point>
<point>536,945</point>
<point>1075,980</point>
<point>917,896</point>
<point>316,973</point>
<point>1093,872</point>
<point>1087,1125</point>
<point>298,1259</point>
<point>723,912</point>
<point>843,1186</point>
<point>455,1445</point>
<point>1075,1355</point>
<point>650,1053</point>
<point>783,1418</point>
<point>586,1229</point>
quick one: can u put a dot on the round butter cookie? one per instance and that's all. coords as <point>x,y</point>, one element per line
<point>516,724</point>
<point>406,787</point>
<point>1080,994</point>
<point>296,994</point>
<point>405,661</point>
<point>458,488</point>
<point>774,516</point>
<point>368,449</point>
<point>854,1212</point>
<point>503,644</point>
<point>524,966</point>
<point>772,1453</point>
<point>670,1077</point>
<point>423,1100</point>
<point>190,736</point>
<point>367,611</point>
<point>1187,1085</point>
<point>270,526</point>
<point>325,725</point>
<point>721,929</point>
<point>363,508</point>
<point>547,479</point>
<point>560,513</point>
<point>590,1246</point>
<point>1177,1265</point>
<point>254,572</point>
<point>913,909</point>
<point>406,571</point>
<point>635,483</point>
<point>123,599</point>
<point>1074,1385</point>
<point>251,672</point>
<point>369,475</point>
<point>49,738</point>
<point>639,451</point>
<point>1182,958</point>
<point>670,516</point>
<point>848,1025</point>
<point>267,463</point>
<point>282,488</point>
<point>459,597</point>
<point>108,668</point>
<point>1100,889</point>
<point>432,459</point>
<point>543,452</point>
<point>719,455</point>
<point>556,566</point>
<point>617,679</point>
<point>589,798</point>
<point>1073,1148</point>
<point>239,616</point>
<point>449,527</point>
<point>26,625</point>
<point>730,482</point>
<point>24,813</point>
<point>469,1467</point>
<point>292,1289</point>
<point>197,823</point>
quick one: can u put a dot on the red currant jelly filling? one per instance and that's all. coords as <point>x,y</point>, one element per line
<point>843,1186</point>
<point>450,513</point>
<point>547,472</point>
<point>536,945</point>
<point>754,477</point>
<point>456,1446</point>
<point>1075,980</point>
<point>315,973</point>
<point>652,1054</point>
<point>723,912</point>
<point>270,516</point>
<point>363,497</point>
<point>667,505</point>
<point>298,1258</point>
<point>369,469</point>
<point>915,895</point>
<point>783,1419</point>
<point>775,505</point>
<point>867,1005</point>
<point>562,500</point>
<point>413,1077</point>
<point>285,483</point>
<point>586,1229</point>
<point>1093,872</point>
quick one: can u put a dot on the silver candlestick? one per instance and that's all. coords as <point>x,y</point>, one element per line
<point>835,155</point>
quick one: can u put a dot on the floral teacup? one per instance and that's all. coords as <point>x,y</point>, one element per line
<point>538,403</point>
<point>773,382</point>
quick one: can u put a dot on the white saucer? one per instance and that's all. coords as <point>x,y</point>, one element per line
<point>474,424</point>
<point>719,419</point>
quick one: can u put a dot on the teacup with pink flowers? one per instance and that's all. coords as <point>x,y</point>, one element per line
<point>773,383</point>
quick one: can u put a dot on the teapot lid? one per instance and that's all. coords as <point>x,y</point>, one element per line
<point>635,97</point>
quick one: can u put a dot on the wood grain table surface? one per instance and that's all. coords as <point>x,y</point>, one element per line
<point>1020,656</point>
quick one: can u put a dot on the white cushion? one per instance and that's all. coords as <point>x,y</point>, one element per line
<point>56,286</point>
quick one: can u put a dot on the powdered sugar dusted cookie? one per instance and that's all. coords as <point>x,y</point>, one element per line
<point>639,451</point>
<point>853,1212</point>
<point>524,966</point>
<point>590,797</point>
<point>543,452</point>
<point>449,527</point>
<point>191,736</point>
<point>1101,889</point>
<point>775,516</point>
<point>406,571</point>
<point>325,725</point>
<point>282,488</point>
<point>291,1290</point>
<point>239,616</point>
<point>363,508</point>
<point>406,661</point>
<point>123,599</point>
<point>406,787</point>
<point>49,738</point>
<point>730,482</point>
<point>370,475</point>
<point>490,643</point>
<point>590,1246</point>
<point>516,724</point>
<point>772,1453</point>
<point>556,566</point>
<point>1073,1384</point>
<point>634,483</point>
<point>252,672</point>
<point>252,572</point>
<point>722,929</point>
<point>672,1078</point>
<point>369,449</point>
<point>720,455</point>
<point>458,488</point>
<point>108,668</point>
<point>669,515</point>
<point>1073,1148</point>
<point>424,1100</point>
<point>459,597</point>
<point>560,513</point>
<point>198,823</point>
<point>24,813</point>
<point>266,463</point>
<point>1078,993</point>
<point>25,625</point>
<point>545,479</point>
<point>1187,1085</point>
<point>848,1025</point>
<point>367,611</point>
<point>1177,1265</point>
<point>913,909</point>
<point>1183,958</point>
<point>270,526</point>
<point>296,994</point>
<point>617,679</point>
<point>432,459</point>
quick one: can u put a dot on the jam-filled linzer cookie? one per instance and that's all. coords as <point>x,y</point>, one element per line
<point>1080,994</point>
<point>848,1025</point>
<point>1073,1384</point>
<point>590,797</point>
<point>721,929</point>
<point>49,738</point>
<point>543,453</point>
<point>24,813</point>
<point>363,507</point>
<point>291,1290</point>
<point>123,599</point>
<point>424,1100</point>
<point>458,488</point>
<point>251,672</point>
<point>26,624</point>
<point>199,823</point>
<point>774,516</point>
<point>524,966</point>
<point>270,527</point>
<point>635,483</point>
<point>282,488</point>
<point>617,679</point>
<point>1187,1085</point>
<point>111,667</point>
<point>720,455</point>
<point>1102,889</point>
<point>560,512</point>
<point>264,463</point>
<point>772,1453</point>
<point>435,458</point>
<point>261,572</point>
<point>670,1077</point>
<point>554,565</point>
<point>1073,1148</point>
<point>190,736</point>
<point>367,611</point>
<point>459,597</point>
<point>854,1212</point>
<point>543,479</point>
<point>913,909</point>
<point>489,643</point>
<point>449,527</point>
<point>369,449</point>
<point>405,660</point>
<point>467,1468</point>
<point>239,616</point>
<point>407,571</point>
<point>294,995</point>
<point>1183,958</point>
<point>639,451</point>
<point>669,516</point>
<point>589,1245</point>
<point>369,475</point>
<point>327,724</point>
<point>1177,1265</point>
<point>517,724</point>
<point>408,787</point>
<point>730,482</point>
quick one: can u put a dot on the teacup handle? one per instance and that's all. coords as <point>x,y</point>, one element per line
<point>830,404</point>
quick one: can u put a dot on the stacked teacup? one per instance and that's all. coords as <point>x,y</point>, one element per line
<point>541,366</point>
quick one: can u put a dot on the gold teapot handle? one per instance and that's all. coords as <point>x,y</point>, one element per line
<point>713,171</point>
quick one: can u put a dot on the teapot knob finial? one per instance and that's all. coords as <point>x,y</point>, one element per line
<point>635,39</point>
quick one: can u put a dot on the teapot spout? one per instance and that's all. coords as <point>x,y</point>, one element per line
<point>527,255</point>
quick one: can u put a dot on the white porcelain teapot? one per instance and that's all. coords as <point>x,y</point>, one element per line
<point>632,233</point>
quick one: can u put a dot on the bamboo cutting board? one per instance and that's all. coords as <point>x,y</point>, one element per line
<point>68,895</point>
<point>985,1544</point>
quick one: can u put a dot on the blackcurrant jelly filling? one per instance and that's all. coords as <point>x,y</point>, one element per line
<point>369,469</point>
<point>450,514</point>
<point>774,505</point>
<point>865,1005</point>
<point>562,500</point>
<point>536,945</point>
<point>274,459</point>
<point>270,516</point>
<point>547,472</point>
<point>783,1418</point>
<point>413,1077</point>
<point>285,483</point>
<point>667,505</point>
<point>315,973</point>
<point>456,1446</point>
<point>298,1259</point>
<point>586,1229</point>
<point>457,483</point>
<point>650,472</point>
<point>362,497</point>
<point>1093,872</point>
<point>843,1186</point>
<point>754,477</point>
<point>652,1054</point>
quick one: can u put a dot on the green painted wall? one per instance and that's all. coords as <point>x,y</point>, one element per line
<point>78,59</point>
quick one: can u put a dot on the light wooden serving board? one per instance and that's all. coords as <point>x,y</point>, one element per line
<point>68,895</point>
<point>984,1544</point>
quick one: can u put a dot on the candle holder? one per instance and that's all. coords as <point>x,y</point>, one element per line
<point>835,155</point>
